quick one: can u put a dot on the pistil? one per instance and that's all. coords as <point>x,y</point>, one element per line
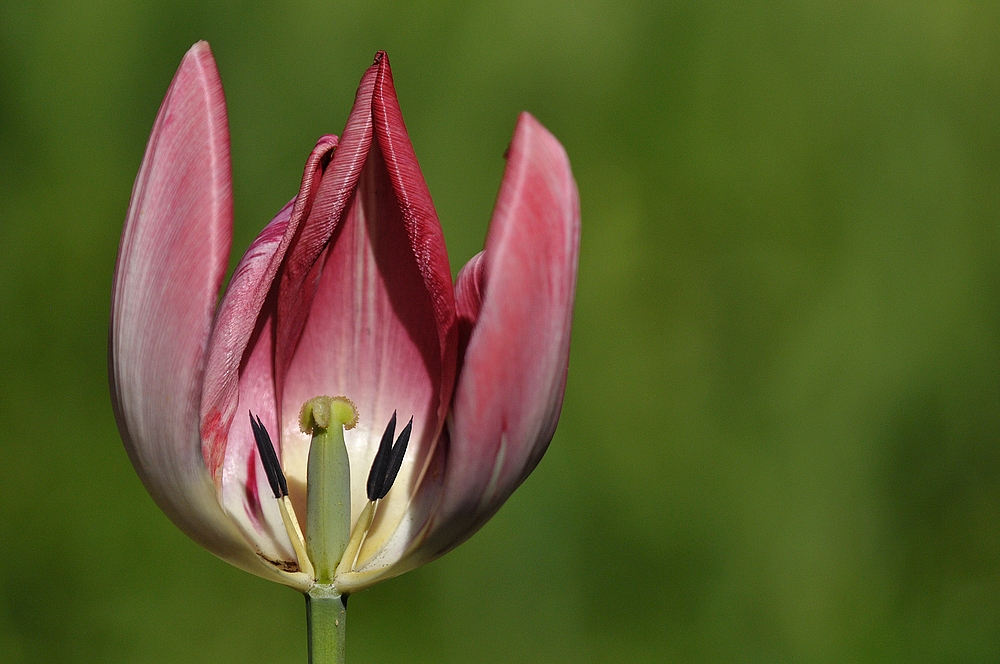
<point>328,482</point>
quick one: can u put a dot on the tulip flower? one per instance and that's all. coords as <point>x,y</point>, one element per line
<point>346,292</point>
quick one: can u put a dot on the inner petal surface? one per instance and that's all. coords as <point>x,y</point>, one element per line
<point>371,335</point>
<point>245,493</point>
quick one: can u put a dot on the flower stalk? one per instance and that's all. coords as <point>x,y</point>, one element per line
<point>326,622</point>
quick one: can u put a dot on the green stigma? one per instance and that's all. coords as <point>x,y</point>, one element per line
<point>319,412</point>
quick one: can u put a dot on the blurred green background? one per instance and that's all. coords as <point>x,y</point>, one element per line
<point>779,440</point>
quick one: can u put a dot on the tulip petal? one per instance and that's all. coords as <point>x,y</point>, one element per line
<point>231,450</point>
<point>239,378</point>
<point>380,327</point>
<point>515,302</point>
<point>240,313</point>
<point>468,300</point>
<point>171,263</point>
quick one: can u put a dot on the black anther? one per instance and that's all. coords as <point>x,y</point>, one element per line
<point>396,460</point>
<point>380,464</point>
<point>388,460</point>
<point>269,458</point>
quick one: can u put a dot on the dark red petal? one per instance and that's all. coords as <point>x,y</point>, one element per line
<point>419,215</point>
<point>365,305</point>
<point>374,121</point>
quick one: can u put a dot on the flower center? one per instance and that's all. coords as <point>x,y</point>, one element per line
<point>330,546</point>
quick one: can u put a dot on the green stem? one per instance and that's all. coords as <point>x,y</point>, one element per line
<point>326,620</point>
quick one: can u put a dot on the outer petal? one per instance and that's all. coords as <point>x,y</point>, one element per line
<point>516,301</point>
<point>171,263</point>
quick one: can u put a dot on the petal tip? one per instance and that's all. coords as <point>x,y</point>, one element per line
<point>200,54</point>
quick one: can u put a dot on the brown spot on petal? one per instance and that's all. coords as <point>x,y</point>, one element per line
<point>283,565</point>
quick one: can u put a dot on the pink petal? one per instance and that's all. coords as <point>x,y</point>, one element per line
<point>469,287</point>
<point>239,380</point>
<point>171,263</point>
<point>240,315</point>
<point>371,271</point>
<point>297,285</point>
<point>517,298</point>
<point>375,115</point>
<point>419,216</point>
<point>239,377</point>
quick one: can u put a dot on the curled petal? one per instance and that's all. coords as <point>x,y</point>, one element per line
<point>171,263</point>
<point>241,313</point>
<point>239,378</point>
<point>373,177</point>
<point>468,300</point>
<point>515,301</point>
<point>419,216</point>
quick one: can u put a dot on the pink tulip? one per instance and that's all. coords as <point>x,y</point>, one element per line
<point>347,291</point>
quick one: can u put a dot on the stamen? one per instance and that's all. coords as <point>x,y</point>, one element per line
<point>279,487</point>
<point>358,535</point>
<point>364,533</point>
<point>295,535</point>
<point>388,460</point>
<point>396,460</point>
<point>385,468</point>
